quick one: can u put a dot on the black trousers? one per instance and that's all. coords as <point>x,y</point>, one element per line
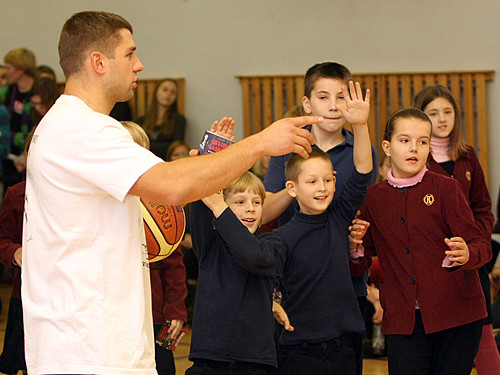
<point>333,357</point>
<point>206,367</point>
<point>448,352</point>
<point>165,364</point>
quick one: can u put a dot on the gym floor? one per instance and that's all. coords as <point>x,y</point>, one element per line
<point>371,366</point>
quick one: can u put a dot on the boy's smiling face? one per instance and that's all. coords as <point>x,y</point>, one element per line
<point>315,186</point>
<point>326,97</point>
<point>247,206</point>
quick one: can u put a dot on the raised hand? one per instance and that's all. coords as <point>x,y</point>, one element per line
<point>224,128</point>
<point>354,108</point>
<point>216,203</point>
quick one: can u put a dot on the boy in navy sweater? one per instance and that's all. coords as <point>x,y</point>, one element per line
<point>233,323</point>
<point>313,273</point>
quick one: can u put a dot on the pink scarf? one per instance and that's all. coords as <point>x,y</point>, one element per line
<point>440,149</point>
<point>405,182</point>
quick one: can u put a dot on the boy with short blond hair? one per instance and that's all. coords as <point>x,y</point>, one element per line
<point>233,323</point>
<point>313,272</point>
<point>20,73</point>
<point>22,59</point>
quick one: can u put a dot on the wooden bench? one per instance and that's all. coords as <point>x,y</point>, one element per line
<point>267,98</point>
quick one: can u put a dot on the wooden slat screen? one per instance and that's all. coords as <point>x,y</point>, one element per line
<point>267,98</point>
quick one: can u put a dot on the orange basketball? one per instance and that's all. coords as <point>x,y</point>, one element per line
<point>164,226</point>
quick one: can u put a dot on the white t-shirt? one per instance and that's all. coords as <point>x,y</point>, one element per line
<point>85,277</point>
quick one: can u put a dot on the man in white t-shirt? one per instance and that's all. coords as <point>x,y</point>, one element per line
<point>85,277</point>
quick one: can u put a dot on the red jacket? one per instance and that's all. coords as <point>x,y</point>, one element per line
<point>407,231</point>
<point>11,231</point>
<point>468,172</point>
<point>168,288</point>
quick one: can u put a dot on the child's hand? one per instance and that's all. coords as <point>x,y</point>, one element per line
<point>356,109</point>
<point>458,254</point>
<point>374,297</point>
<point>18,256</point>
<point>175,328</point>
<point>216,203</point>
<point>358,230</point>
<point>281,316</point>
<point>224,128</point>
<point>20,162</point>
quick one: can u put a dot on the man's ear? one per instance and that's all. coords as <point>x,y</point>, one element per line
<point>97,62</point>
<point>386,147</point>
<point>290,188</point>
<point>306,105</point>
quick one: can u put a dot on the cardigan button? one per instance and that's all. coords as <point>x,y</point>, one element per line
<point>402,220</point>
<point>402,190</point>
<point>413,281</point>
<point>407,250</point>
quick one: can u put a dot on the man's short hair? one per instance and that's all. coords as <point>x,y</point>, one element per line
<point>22,59</point>
<point>293,165</point>
<point>325,70</point>
<point>86,32</point>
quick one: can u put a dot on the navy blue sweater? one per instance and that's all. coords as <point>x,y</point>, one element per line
<point>314,274</point>
<point>233,319</point>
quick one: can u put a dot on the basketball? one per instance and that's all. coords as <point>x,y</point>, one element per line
<point>164,226</point>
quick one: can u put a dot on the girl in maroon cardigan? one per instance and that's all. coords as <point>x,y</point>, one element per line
<point>11,230</point>
<point>451,156</point>
<point>168,285</point>
<point>429,248</point>
<point>168,291</point>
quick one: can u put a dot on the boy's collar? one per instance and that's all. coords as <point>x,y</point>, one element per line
<point>348,136</point>
<point>310,218</point>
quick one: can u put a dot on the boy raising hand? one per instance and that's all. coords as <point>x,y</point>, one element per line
<point>313,272</point>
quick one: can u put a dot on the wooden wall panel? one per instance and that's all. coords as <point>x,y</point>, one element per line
<point>389,91</point>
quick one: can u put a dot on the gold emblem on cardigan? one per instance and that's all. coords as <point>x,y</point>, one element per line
<point>429,199</point>
<point>468,175</point>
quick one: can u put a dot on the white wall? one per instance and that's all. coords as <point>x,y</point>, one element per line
<point>209,42</point>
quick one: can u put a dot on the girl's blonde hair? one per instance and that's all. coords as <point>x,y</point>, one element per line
<point>138,134</point>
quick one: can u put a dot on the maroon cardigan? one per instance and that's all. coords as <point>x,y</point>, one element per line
<point>468,172</point>
<point>407,232</point>
<point>168,288</point>
<point>11,231</point>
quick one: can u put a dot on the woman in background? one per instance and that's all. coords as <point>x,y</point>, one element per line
<point>162,122</point>
<point>43,95</point>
